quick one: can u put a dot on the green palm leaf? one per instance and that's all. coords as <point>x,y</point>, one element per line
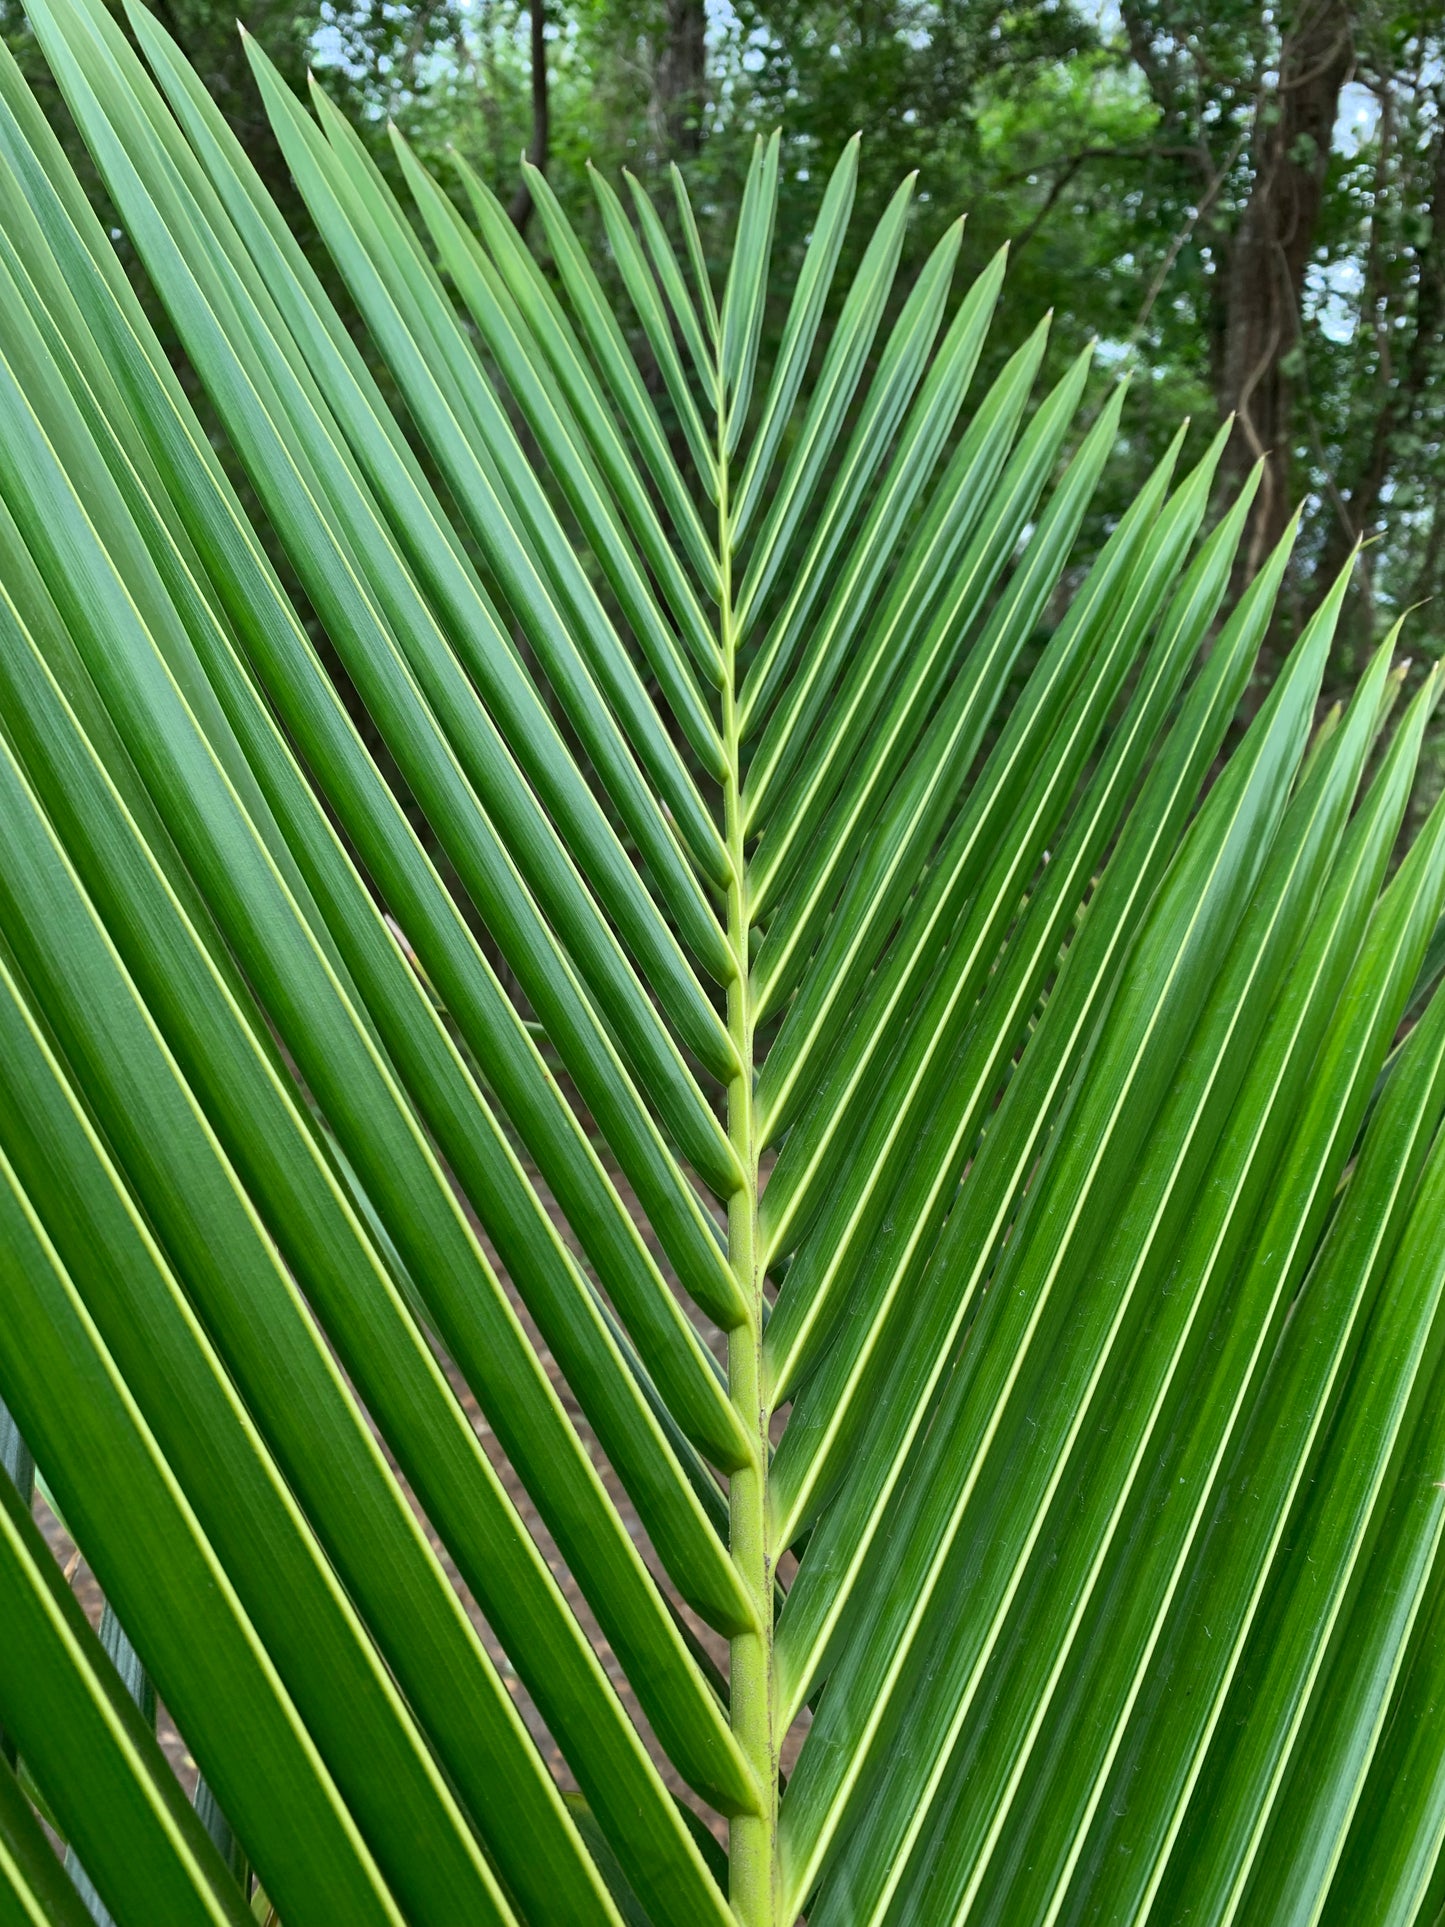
<point>884,984</point>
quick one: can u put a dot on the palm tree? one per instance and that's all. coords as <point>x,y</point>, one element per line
<point>741,888</point>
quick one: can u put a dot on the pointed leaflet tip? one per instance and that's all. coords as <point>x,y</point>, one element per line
<point>1218,443</point>
<point>1041,329</point>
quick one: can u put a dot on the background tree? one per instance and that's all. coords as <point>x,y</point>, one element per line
<point>1286,191</point>
<point>1247,198</point>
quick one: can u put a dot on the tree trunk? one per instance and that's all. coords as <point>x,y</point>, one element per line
<point>1399,395</point>
<point>521,209</point>
<point>1270,254</point>
<point>680,82</point>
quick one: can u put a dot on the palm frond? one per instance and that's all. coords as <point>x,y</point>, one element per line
<point>788,899</point>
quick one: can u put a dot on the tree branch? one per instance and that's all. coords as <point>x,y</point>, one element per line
<point>1069,166</point>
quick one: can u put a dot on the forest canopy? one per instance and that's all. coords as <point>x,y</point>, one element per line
<point>1241,201</point>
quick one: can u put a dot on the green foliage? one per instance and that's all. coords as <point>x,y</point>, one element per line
<point>794,900</point>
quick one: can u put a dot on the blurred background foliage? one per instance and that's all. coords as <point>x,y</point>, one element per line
<point>1243,202</point>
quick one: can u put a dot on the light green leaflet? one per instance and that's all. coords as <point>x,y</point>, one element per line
<point>777,1131</point>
